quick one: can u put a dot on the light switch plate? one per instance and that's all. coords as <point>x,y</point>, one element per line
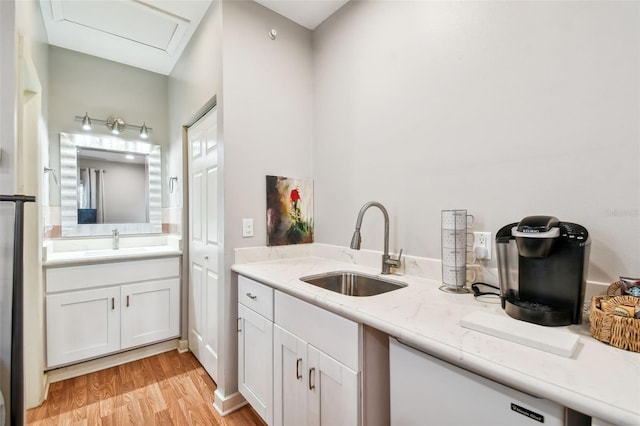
<point>247,228</point>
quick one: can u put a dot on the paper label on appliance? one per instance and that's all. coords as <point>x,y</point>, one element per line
<point>528,413</point>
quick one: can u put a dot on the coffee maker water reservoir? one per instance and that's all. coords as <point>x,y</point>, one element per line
<point>542,267</point>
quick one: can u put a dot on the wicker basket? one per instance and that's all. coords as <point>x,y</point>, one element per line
<point>621,332</point>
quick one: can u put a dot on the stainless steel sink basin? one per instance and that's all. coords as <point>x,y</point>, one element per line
<point>353,283</point>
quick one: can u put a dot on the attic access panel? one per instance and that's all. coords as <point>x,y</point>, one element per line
<point>147,34</point>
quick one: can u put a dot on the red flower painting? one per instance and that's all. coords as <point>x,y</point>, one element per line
<point>289,211</point>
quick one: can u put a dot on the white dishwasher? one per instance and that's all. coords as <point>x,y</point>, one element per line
<point>428,391</point>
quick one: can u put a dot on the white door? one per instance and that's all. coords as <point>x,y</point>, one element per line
<point>204,244</point>
<point>290,376</point>
<point>82,324</point>
<point>333,397</point>
<point>150,312</point>
<point>255,366</point>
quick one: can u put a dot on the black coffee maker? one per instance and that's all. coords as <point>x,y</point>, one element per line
<point>542,267</point>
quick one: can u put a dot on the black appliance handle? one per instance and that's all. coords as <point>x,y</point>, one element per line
<point>17,327</point>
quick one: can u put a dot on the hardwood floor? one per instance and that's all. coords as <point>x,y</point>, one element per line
<point>166,389</point>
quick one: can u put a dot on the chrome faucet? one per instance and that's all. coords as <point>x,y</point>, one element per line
<point>115,236</point>
<point>387,261</point>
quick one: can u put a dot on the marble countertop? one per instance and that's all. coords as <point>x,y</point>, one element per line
<point>90,250</point>
<point>105,255</point>
<point>598,380</point>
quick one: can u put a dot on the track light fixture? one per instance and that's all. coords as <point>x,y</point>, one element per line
<point>114,123</point>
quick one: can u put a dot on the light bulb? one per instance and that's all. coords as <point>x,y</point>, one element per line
<point>86,122</point>
<point>144,131</point>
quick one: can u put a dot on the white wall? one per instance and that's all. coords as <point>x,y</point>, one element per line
<point>31,112</point>
<point>268,111</point>
<point>194,81</point>
<point>507,109</point>
<point>7,147</point>
<point>268,101</point>
<point>264,93</point>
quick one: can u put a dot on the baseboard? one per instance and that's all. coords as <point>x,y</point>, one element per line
<point>225,405</point>
<point>43,395</point>
<point>183,346</point>
<point>98,364</point>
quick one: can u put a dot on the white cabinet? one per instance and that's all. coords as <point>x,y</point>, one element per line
<point>299,364</point>
<point>98,309</point>
<point>290,380</point>
<point>333,391</point>
<point>150,312</point>
<point>316,365</point>
<point>82,324</point>
<point>255,346</point>
<point>311,388</point>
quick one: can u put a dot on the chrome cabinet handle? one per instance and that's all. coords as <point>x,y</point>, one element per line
<point>113,303</point>
<point>251,296</point>
<point>298,375</point>
<point>127,301</point>
<point>311,386</point>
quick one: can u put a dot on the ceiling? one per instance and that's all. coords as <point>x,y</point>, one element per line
<point>308,13</point>
<point>150,34</point>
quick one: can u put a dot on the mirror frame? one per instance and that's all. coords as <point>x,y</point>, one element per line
<point>69,143</point>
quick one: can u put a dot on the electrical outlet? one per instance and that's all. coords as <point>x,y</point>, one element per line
<point>482,245</point>
<point>247,228</point>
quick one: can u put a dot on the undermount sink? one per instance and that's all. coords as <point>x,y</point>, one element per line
<point>111,252</point>
<point>353,283</point>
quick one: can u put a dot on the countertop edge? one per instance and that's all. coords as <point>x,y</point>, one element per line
<point>110,258</point>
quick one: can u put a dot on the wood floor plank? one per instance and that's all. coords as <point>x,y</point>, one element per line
<point>93,414</point>
<point>163,418</point>
<point>171,399</point>
<point>165,389</point>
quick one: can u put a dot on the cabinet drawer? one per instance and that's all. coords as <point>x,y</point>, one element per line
<point>332,334</point>
<point>256,296</point>
<point>105,274</point>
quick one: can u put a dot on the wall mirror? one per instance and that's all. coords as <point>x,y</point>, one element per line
<point>109,183</point>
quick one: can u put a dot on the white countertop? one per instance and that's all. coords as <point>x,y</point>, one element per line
<point>599,380</point>
<point>65,252</point>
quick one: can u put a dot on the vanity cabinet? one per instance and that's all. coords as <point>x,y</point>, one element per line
<point>98,309</point>
<point>255,346</point>
<point>82,324</point>
<point>150,312</point>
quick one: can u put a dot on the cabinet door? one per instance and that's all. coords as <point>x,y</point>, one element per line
<point>82,324</point>
<point>150,312</point>
<point>290,378</point>
<point>333,395</point>
<point>255,361</point>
